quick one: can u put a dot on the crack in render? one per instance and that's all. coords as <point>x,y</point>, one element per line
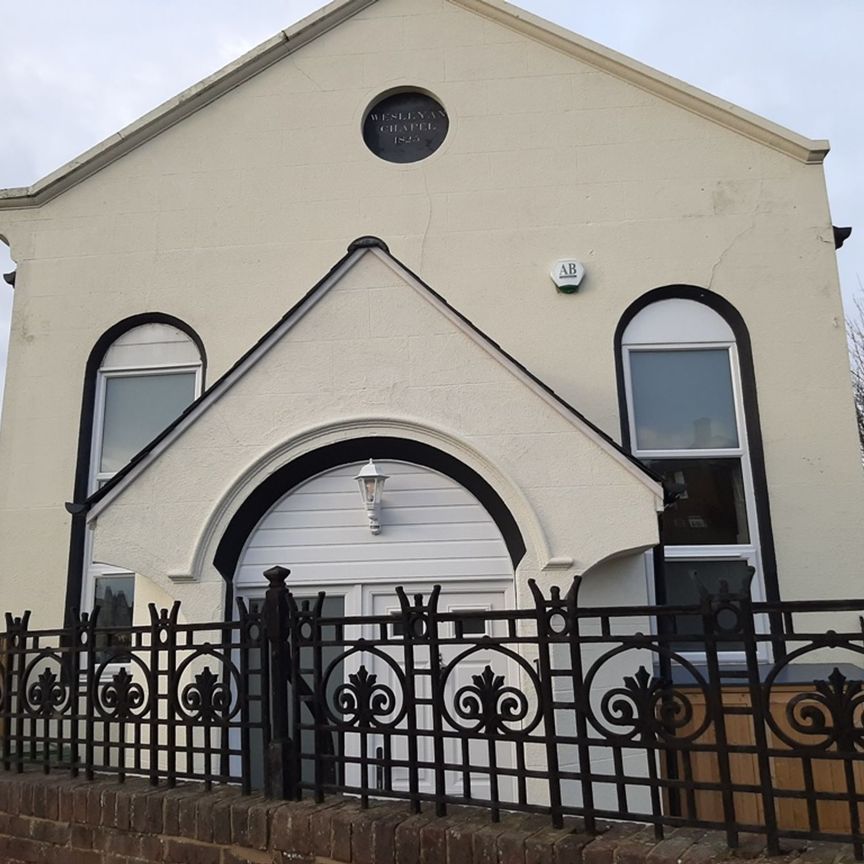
<point>306,75</point>
<point>753,215</point>
<point>729,248</point>
<point>428,223</point>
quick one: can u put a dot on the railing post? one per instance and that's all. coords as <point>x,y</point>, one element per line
<point>82,635</point>
<point>547,696</point>
<point>281,760</point>
<point>295,676</point>
<point>581,704</point>
<point>169,625</point>
<point>91,696</point>
<point>19,628</point>
<point>759,709</point>
<point>15,641</point>
<point>159,623</point>
<point>319,698</point>
<point>712,606</point>
<point>245,644</point>
<point>413,626</point>
<point>435,679</point>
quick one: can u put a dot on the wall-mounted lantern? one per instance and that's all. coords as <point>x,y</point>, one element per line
<point>371,483</point>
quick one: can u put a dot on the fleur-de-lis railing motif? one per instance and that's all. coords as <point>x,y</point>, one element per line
<point>46,695</point>
<point>834,710</point>
<point>208,699</point>
<point>122,697</point>
<point>489,704</point>
<point>646,706</point>
<point>363,700</point>
<point>560,709</point>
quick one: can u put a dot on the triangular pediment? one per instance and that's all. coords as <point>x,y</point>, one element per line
<point>372,330</point>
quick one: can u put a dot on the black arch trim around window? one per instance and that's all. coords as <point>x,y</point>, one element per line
<point>75,566</point>
<point>355,450</point>
<point>748,392</point>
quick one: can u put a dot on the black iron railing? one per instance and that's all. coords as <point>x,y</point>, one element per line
<point>750,721</point>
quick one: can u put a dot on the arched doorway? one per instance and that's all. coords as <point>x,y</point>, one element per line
<point>433,531</point>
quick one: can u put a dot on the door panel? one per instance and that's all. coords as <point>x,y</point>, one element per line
<point>381,600</point>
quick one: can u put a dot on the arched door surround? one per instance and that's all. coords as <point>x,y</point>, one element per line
<point>315,462</point>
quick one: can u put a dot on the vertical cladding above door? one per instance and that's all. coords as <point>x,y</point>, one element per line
<point>432,529</point>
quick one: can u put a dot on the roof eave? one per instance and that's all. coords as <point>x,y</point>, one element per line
<point>665,86</point>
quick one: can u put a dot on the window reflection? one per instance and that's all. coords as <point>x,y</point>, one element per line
<point>137,409</point>
<point>113,603</point>
<point>683,400</point>
<point>709,506</point>
<point>683,585</point>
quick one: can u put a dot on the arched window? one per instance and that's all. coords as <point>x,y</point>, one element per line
<point>145,378</point>
<point>685,419</point>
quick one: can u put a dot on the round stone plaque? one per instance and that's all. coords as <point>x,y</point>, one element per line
<point>405,127</point>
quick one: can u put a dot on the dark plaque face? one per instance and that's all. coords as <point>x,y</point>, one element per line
<point>405,127</point>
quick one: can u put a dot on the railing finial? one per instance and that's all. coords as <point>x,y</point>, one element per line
<point>277,576</point>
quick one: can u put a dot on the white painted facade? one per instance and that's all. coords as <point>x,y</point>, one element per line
<point>224,207</point>
<point>447,387</point>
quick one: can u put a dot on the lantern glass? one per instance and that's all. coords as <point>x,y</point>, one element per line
<point>371,483</point>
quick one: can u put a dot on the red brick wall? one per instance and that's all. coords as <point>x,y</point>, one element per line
<point>63,821</point>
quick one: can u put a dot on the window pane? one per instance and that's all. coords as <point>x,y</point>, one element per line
<point>471,626</point>
<point>114,595</point>
<point>710,508</point>
<point>681,586</point>
<point>113,602</point>
<point>137,409</point>
<point>682,400</point>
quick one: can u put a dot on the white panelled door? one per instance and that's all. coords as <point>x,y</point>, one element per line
<point>381,600</point>
<point>433,531</point>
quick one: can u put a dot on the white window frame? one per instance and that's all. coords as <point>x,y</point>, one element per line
<point>92,573</point>
<point>98,571</point>
<point>96,476</point>
<point>749,552</point>
<point>93,570</point>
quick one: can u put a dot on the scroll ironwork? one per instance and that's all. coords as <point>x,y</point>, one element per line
<point>730,714</point>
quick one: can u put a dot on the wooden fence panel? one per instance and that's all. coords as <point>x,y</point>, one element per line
<point>788,774</point>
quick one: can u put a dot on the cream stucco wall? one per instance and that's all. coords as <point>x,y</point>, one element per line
<point>228,217</point>
<point>375,355</point>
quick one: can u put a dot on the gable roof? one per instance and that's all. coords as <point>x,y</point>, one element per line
<point>287,41</point>
<point>356,251</point>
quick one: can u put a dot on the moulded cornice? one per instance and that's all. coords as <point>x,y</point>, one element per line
<point>287,41</point>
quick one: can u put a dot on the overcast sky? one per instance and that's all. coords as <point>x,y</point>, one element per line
<point>73,73</point>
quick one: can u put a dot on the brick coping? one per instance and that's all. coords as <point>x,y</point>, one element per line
<point>59,819</point>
